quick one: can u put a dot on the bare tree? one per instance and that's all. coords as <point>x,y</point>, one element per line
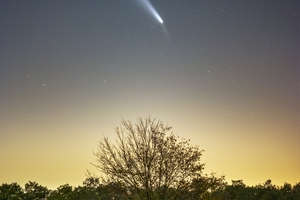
<point>149,159</point>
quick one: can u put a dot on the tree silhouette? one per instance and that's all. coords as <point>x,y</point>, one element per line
<point>149,159</point>
<point>61,193</point>
<point>34,191</point>
<point>11,191</point>
<point>202,188</point>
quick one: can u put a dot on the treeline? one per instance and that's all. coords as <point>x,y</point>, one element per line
<point>92,189</point>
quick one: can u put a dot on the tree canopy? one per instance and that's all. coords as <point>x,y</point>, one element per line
<point>97,191</point>
<point>149,158</point>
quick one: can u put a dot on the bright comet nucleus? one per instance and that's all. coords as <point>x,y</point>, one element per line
<point>160,20</point>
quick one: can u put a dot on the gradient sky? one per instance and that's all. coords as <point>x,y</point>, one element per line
<point>224,74</point>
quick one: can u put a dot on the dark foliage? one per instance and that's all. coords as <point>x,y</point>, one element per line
<point>211,189</point>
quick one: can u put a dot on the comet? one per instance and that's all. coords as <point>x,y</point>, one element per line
<point>149,7</point>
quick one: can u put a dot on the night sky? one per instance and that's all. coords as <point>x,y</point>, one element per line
<point>224,74</point>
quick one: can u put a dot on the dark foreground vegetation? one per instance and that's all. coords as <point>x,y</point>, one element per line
<point>148,161</point>
<point>93,190</point>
